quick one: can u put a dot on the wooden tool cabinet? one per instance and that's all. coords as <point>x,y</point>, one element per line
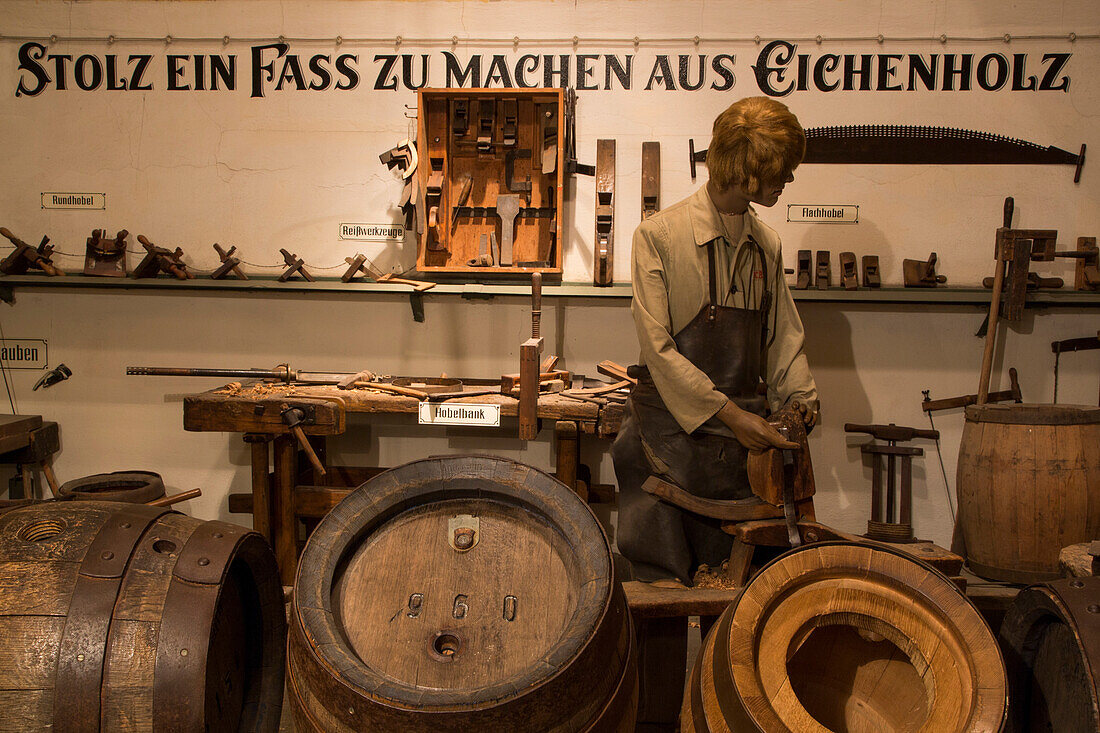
<point>491,168</point>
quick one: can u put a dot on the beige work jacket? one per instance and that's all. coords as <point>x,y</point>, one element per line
<point>669,270</point>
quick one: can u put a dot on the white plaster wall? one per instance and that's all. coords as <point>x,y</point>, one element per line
<point>191,168</point>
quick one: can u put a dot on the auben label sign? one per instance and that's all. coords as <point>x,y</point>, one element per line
<point>464,413</point>
<point>23,353</point>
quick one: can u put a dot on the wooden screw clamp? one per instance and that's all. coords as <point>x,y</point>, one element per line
<point>882,526</point>
<point>529,353</point>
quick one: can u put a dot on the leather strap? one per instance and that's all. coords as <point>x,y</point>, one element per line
<point>712,312</point>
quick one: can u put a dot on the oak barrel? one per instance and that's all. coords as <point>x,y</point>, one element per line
<point>460,593</point>
<point>1028,483</point>
<point>847,637</point>
<point>123,617</point>
<point>1051,643</point>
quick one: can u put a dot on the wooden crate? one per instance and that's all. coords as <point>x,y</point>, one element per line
<point>454,155</point>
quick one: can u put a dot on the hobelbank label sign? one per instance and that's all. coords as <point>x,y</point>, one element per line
<point>465,413</point>
<point>778,69</point>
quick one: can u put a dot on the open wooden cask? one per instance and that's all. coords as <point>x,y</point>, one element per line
<point>1051,643</point>
<point>851,638</point>
<point>460,593</point>
<point>125,617</point>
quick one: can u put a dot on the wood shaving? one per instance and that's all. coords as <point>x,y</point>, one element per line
<point>708,577</point>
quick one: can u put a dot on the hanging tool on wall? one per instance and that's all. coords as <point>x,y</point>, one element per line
<point>402,157</point>
<point>159,259</point>
<point>947,403</point>
<point>651,179</point>
<point>603,264</point>
<point>891,520</point>
<point>1087,343</point>
<point>507,208</point>
<point>58,374</point>
<point>26,257</point>
<point>920,144</point>
<point>921,273</point>
<point>295,266</point>
<point>571,164</point>
<point>229,264</point>
<point>1088,264</point>
<point>105,257</point>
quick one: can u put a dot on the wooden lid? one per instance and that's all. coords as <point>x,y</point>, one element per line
<point>1032,414</point>
<point>392,593</point>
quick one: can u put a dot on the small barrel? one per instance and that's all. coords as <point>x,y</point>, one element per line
<point>138,487</point>
<point>1028,483</point>
<point>463,593</point>
<point>1051,643</point>
<point>847,637</point>
<point>123,617</point>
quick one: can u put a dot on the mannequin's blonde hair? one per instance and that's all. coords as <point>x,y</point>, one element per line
<point>757,144</point>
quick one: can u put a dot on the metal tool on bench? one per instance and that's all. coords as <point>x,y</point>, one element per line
<point>26,257</point>
<point>105,257</point>
<point>882,525</point>
<point>159,259</point>
<point>1012,393</point>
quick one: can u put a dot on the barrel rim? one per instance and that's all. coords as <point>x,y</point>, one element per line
<point>984,691</point>
<point>1033,413</point>
<point>389,494</point>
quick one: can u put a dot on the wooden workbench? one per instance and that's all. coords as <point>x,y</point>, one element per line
<point>281,498</point>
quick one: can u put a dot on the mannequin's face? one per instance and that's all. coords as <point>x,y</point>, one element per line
<point>766,198</point>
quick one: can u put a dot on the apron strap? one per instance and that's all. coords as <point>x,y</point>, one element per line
<point>712,311</point>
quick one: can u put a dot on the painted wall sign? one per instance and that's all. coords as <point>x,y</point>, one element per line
<point>778,70</point>
<point>373,232</point>
<point>68,200</point>
<point>466,413</point>
<point>23,353</point>
<point>823,213</point>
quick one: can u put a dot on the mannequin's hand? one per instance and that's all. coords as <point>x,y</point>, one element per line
<point>751,430</point>
<point>809,415</point>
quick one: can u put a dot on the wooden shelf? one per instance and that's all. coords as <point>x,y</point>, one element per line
<point>933,296</point>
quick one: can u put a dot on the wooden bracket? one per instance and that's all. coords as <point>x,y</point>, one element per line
<point>106,257</point>
<point>824,270</point>
<point>871,276</point>
<point>160,259</point>
<point>295,266</point>
<point>651,179</point>
<point>849,278</point>
<point>605,213</point>
<point>229,264</point>
<point>921,273</point>
<point>26,257</point>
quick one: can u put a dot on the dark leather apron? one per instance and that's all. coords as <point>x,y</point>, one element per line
<point>660,540</point>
